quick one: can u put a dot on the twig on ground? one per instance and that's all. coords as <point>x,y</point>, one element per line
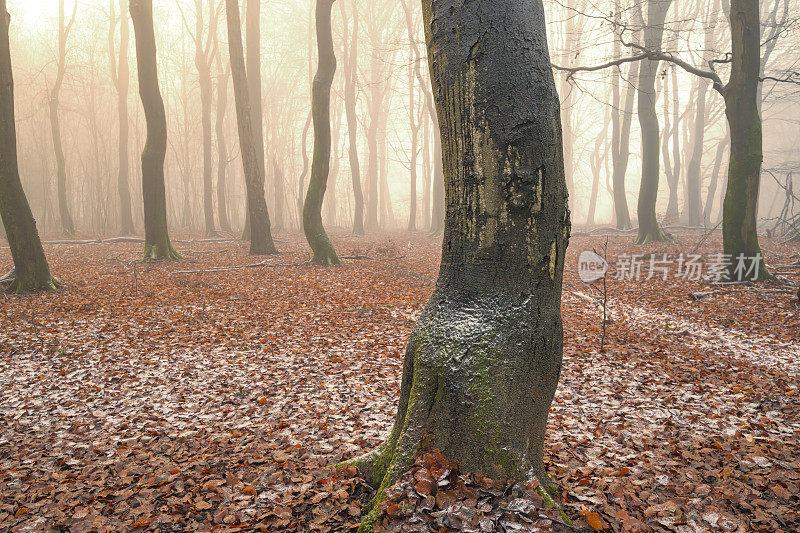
<point>263,264</point>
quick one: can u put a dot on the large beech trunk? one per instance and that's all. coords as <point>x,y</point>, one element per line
<point>157,244</point>
<point>31,270</point>
<point>316,236</point>
<point>483,362</point>
<point>740,209</point>
<point>252,157</point>
<point>649,229</point>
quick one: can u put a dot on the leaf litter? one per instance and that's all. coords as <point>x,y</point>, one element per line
<point>139,398</point>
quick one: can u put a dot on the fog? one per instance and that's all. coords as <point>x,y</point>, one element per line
<point>581,33</point>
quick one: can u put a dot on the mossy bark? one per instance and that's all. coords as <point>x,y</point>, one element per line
<point>257,226</point>
<point>32,272</point>
<point>740,209</point>
<point>649,229</point>
<point>316,236</point>
<point>483,362</point>
<point>157,243</point>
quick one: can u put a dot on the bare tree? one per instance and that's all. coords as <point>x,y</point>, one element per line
<point>252,158</point>
<point>350,62</point>
<point>31,271</point>
<point>324,252</point>
<point>67,224</point>
<point>120,75</point>
<point>483,362</point>
<point>157,244</point>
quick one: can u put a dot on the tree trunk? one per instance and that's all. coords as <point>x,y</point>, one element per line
<point>740,210</point>
<point>222,147</point>
<point>277,177</point>
<point>157,244</point>
<point>252,157</point>
<point>693,177</point>
<point>712,186</point>
<point>301,181</point>
<point>596,163</point>
<point>350,82</point>
<point>426,168</point>
<point>622,117</point>
<point>121,75</point>
<point>204,56</point>
<point>483,362</point>
<point>649,229</point>
<point>672,130</point>
<point>31,271</point>
<point>67,224</point>
<point>438,197</point>
<point>373,168</point>
<point>317,238</point>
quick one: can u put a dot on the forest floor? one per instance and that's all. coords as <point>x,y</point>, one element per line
<point>144,397</point>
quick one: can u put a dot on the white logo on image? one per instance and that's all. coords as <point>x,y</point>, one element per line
<point>591,266</point>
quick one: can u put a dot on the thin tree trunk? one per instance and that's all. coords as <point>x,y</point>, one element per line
<point>252,157</point>
<point>712,186</point>
<point>622,117</point>
<point>121,76</point>
<point>203,59</point>
<point>157,243</point>
<point>649,229</point>
<point>426,168</point>
<point>740,210</point>
<point>597,164</point>
<point>222,147</point>
<point>673,171</point>
<point>483,362</point>
<point>350,82</point>
<point>31,271</point>
<point>302,180</point>
<point>324,253</point>
<point>278,178</point>
<point>67,224</point>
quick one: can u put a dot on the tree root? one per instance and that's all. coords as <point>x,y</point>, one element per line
<point>160,252</point>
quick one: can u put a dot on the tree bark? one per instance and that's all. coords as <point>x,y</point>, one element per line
<point>157,243</point>
<point>740,209</point>
<point>317,238</point>
<point>483,362</point>
<point>649,229</point>
<point>252,157</point>
<point>350,82</point>
<point>121,76</point>
<point>67,224</point>
<point>31,271</point>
